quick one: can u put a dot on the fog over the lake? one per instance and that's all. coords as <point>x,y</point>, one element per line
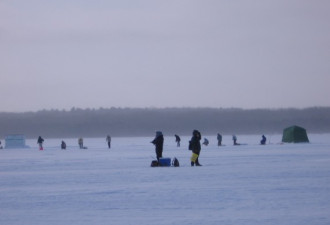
<point>126,122</point>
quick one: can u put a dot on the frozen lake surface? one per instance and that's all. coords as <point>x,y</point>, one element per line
<point>275,184</point>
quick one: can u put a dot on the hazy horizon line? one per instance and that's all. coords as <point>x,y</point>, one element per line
<point>163,108</point>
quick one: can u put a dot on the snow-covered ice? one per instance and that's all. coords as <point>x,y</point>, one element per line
<point>241,185</point>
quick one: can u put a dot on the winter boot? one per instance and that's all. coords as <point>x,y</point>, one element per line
<point>192,163</point>
<point>197,163</point>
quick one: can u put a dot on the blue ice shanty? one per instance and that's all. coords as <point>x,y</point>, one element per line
<point>15,141</point>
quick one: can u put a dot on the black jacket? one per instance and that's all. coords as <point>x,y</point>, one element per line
<point>177,138</point>
<point>194,143</point>
<point>40,140</point>
<point>158,142</point>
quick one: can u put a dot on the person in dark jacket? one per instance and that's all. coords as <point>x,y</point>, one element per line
<point>81,143</point>
<point>63,145</point>
<point>263,140</point>
<point>177,140</point>
<point>219,137</point>
<point>235,140</point>
<point>158,142</point>
<point>195,147</point>
<point>206,142</point>
<point>40,142</point>
<point>108,139</point>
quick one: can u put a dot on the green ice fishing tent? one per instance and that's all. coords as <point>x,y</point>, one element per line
<point>294,134</point>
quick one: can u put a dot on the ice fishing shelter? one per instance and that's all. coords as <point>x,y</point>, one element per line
<point>295,134</point>
<point>15,141</point>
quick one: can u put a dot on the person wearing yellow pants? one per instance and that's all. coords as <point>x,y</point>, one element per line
<point>195,147</point>
<point>194,159</point>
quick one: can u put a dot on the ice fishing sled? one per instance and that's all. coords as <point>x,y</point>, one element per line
<point>165,162</point>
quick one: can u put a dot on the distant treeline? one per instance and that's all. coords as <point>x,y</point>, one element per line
<point>145,121</point>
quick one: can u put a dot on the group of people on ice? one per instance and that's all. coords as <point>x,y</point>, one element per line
<point>194,144</point>
<point>219,139</point>
<point>158,141</point>
<point>40,142</point>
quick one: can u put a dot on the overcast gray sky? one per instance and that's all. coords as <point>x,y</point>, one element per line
<point>174,53</point>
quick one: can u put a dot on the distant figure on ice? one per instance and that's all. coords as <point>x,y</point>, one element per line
<point>1,145</point>
<point>235,140</point>
<point>195,147</point>
<point>158,142</point>
<point>109,141</point>
<point>206,142</point>
<point>40,142</point>
<point>177,140</point>
<point>263,140</point>
<point>63,145</point>
<point>81,143</point>
<point>219,137</point>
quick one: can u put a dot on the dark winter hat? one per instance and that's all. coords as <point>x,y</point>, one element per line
<point>158,133</point>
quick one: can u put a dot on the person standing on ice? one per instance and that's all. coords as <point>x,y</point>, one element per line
<point>195,147</point>
<point>63,145</point>
<point>158,142</point>
<point>263,140</point>
<point>219,138</point>
<point>235,140</point>
<point>81,143</point>
<point>177,140</point>
<point>40,142</point>
<point>108,139</point>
